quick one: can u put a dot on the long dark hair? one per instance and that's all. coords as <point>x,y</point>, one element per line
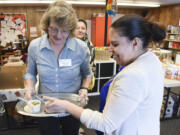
<point>133,25</point>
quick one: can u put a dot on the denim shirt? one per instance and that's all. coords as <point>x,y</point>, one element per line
<point>55,78</point>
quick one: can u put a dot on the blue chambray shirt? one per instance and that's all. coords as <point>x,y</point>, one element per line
<point>42,61</point>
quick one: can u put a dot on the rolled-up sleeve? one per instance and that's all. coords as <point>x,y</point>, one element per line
<point>31,70</point>
<point>85,66</point>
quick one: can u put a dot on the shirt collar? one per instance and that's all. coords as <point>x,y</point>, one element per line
<point>45,43</point>
<point>70,43</point>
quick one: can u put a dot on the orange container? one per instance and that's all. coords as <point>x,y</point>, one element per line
<point>98,29</point>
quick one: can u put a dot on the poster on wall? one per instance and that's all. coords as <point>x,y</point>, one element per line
<point>33,31</point>
<point>11,27</point>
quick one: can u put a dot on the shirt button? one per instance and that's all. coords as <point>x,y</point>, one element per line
<point>56,85</point>
<point>56,69</point>
<point>56,75</point>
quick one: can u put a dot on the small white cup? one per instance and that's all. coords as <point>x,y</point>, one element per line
<point>34,106</point>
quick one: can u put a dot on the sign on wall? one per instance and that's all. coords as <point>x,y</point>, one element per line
<point>11,26</point>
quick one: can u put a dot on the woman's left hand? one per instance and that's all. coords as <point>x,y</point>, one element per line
<point>83,96</point>
<point>54,105</point>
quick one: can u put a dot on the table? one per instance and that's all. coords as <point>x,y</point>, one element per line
<point>168,84</point>
<point>171,83</point>
<point>10,95</point>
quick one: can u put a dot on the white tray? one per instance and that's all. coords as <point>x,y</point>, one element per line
<point>74,98</point>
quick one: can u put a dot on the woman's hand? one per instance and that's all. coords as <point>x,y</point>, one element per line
<point>54,105</point>
<point>83,93</point>
<point>29,93</point>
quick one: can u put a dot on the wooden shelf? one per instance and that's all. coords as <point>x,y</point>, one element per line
<point>174,49</point>
<point>173,33</point>
<point>172,40</point>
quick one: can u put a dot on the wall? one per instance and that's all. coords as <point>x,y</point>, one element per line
<point>165,15</point>
<point>170,15</point>
<point>34,13</point>
<point>86,12</point>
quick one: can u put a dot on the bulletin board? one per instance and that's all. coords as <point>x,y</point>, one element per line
<point>11,26</point>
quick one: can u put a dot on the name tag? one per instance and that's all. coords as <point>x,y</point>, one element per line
<point>65,63</point>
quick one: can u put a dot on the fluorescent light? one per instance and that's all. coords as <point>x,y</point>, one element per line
<point>138,4</point>
<point>87,2</point>
<point>25,2</point>
<point>50,1</point>
<point>77,3</point>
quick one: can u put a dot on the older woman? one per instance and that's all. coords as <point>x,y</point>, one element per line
<point>135,95</point>
<point>62,63</point>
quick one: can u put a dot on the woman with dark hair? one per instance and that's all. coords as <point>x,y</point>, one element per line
<point>135,95</point>
<point>81,29</point>
<point>81,33</point>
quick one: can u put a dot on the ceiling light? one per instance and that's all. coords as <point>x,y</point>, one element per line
<point>87,2</point>
<point>138,4</point>
<point>25,2</point>
<point>50,1</point>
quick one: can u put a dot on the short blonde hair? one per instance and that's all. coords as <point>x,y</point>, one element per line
<point>63,14</point>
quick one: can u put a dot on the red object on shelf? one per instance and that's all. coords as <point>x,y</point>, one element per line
<point>98,29</point>
<point>176,45</point>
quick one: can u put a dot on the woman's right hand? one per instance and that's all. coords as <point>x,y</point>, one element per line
<point>29,93</point>
<point>29,89</point>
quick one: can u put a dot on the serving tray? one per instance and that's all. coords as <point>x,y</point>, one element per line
<point>74,98</point>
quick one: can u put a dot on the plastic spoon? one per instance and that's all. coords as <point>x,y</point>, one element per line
<point>22,99</point>
<point>41,99</point>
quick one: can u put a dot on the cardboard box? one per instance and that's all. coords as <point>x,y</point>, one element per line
<point>12,77</point>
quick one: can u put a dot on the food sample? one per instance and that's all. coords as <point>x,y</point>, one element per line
<point>33,106</point>
<point>35,103</point>
<point>47,102</point>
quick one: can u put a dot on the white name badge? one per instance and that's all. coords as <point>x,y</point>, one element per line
<point>65,62</point>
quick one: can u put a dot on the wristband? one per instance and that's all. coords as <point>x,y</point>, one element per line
<point>83,88</point>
